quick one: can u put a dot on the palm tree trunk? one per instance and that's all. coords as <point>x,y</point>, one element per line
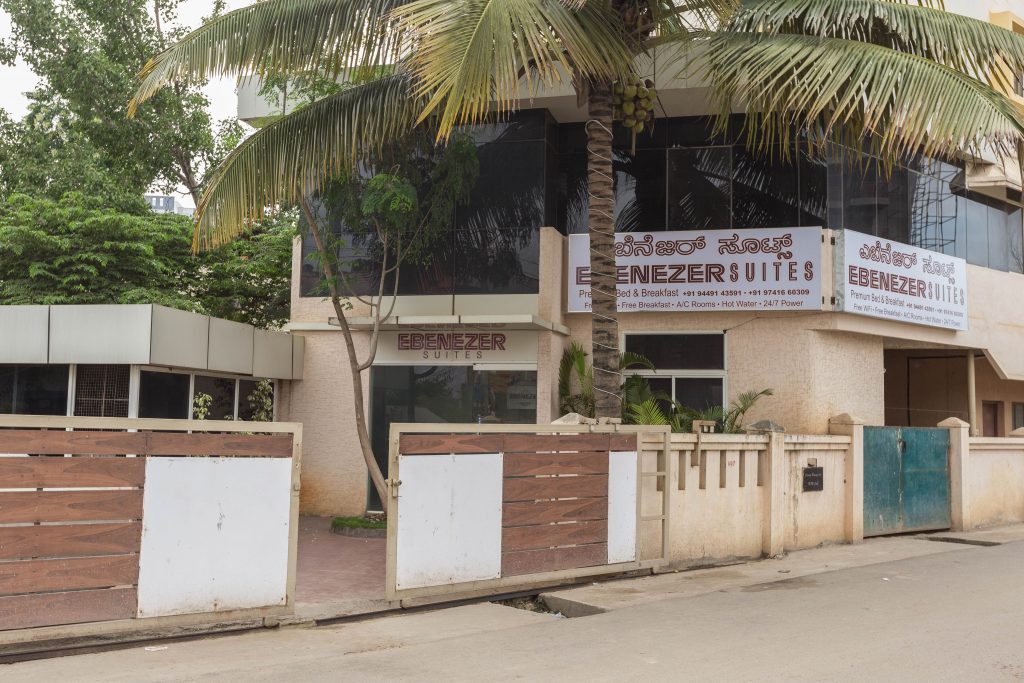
<point>601,218</point>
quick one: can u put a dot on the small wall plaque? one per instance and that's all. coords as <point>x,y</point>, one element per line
<point>814,479</point>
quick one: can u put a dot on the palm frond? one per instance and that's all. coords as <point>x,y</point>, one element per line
<point>278,37</point>
<point>481,56</point>
<point>969,45</point>
<point>628,359</point>
<point>295,155</point>
<point>848,91</point>
<point>647,413</point>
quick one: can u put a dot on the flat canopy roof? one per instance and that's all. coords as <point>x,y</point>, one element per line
<point>145,334</point>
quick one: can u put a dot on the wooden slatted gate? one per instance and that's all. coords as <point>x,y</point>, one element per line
<point>479,509</point>
<point>72,511</point>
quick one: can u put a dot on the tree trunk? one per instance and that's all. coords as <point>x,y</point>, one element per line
<point>601,218</point>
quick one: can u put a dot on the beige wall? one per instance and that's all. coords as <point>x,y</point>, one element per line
<point>814,373</point>
<point>333,472</point>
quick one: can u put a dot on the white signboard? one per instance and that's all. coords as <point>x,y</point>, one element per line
<point>885,279</point>
<point>776,269</point>
<point>456,346</point>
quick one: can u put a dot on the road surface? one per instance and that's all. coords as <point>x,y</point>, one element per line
<point>954,615</point>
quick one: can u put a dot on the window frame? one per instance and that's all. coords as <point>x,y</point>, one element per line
<point>192,374</point>
<point>683,373</point>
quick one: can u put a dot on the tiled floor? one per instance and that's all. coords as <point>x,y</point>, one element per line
<point>333,568</point>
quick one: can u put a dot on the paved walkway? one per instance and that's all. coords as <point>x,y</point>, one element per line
<point>914,610</point>
<point>335,569</point>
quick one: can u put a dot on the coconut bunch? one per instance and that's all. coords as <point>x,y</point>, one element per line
<point>634,102</point>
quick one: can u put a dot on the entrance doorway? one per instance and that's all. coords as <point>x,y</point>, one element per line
<point>991,418</point>
<point>445,394</point>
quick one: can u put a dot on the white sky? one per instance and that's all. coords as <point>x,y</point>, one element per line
<point>16,81</point>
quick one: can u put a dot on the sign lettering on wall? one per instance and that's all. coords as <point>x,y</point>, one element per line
<point>776,269</point>
<point>456,346</point>
<point>885,279</point>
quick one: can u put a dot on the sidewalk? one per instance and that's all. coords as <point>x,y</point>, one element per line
<point>596,598</point>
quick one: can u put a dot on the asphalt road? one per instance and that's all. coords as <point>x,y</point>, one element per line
<point>950,616</point>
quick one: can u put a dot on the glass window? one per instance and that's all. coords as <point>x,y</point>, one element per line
<point>765,190</point>
<point>256,400</point>
<point>893,204</point>
<point>1018,415</point>
<point>639,191</point>
<point>815,201</point>
<point>504,396</point>
<point>497,261</point>
<point>699,393</point>
<point>163,395</point>
<point>34,389</point>
<point>680,351</point>
<point>998,238</point>
<point>221,393</point>
<point>510,190</point>
<point>700,188</point>
<point>977,232</point>
<point>860,197</point>
<point>572,194</point>
<point>102,391</point>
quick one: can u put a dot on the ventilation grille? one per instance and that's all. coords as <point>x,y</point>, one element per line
<point>101,391</point>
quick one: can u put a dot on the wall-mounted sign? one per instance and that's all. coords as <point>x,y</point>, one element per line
<point>456,346</point>
<point>776,269</point>
<point>885,279</point>
<point>814,479</point>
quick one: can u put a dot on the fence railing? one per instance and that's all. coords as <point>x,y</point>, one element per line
<point>106,519</point>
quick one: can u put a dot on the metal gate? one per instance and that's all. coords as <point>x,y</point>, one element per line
<point>906,480</point>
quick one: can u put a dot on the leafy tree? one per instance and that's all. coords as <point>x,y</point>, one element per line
<point>400,202</point>
<point>87,53</point>
<point>73,252</point>
<point>80,159</point>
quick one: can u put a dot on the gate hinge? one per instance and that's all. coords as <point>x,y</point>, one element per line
<point>393,485</point>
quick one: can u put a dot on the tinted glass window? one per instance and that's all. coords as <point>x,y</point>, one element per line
<point>765,190</point>
<point>510,190</point>
<point>497,261</point>
<point>699,393</point>
<point>639,191</point>
<point>814,197</point>
<point>893,204</point>
<point>572,193</point>
<point>700,188</point>
<point>164,395</point>
<point>256,400</point>
<point>222,397</point>
<point>860,197</point>
<point>34,389</point>
<point>680,351</point>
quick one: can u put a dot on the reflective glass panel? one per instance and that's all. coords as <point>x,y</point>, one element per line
<point>680,351</point>
<point>700,188</point>
<point>164,395</point>
<point>221,391</point>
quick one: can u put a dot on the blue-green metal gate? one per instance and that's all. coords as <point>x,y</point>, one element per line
<point>906,480</point>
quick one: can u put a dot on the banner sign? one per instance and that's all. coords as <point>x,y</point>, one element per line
<point>456,346</point>
<point>894,281</point>
<point>774,269</point>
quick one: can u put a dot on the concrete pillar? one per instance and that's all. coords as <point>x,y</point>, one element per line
<point>848,425</point>
<point>959,468</point>
<point>774,527</point>
<point>972,396</point>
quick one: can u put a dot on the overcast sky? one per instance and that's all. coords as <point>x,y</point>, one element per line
<point>16,81</point>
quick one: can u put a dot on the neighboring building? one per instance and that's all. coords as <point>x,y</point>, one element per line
<point>894,298</point>
<point>139,361</point>
<point>161,203</point>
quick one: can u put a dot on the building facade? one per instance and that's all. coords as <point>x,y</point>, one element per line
<point>842,287</point>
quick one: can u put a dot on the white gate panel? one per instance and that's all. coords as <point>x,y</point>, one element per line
<point>449,519</point>
<point>622,492</point>
<point>215,534</point>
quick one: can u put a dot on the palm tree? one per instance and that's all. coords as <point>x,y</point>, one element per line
<point>902,77</point>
